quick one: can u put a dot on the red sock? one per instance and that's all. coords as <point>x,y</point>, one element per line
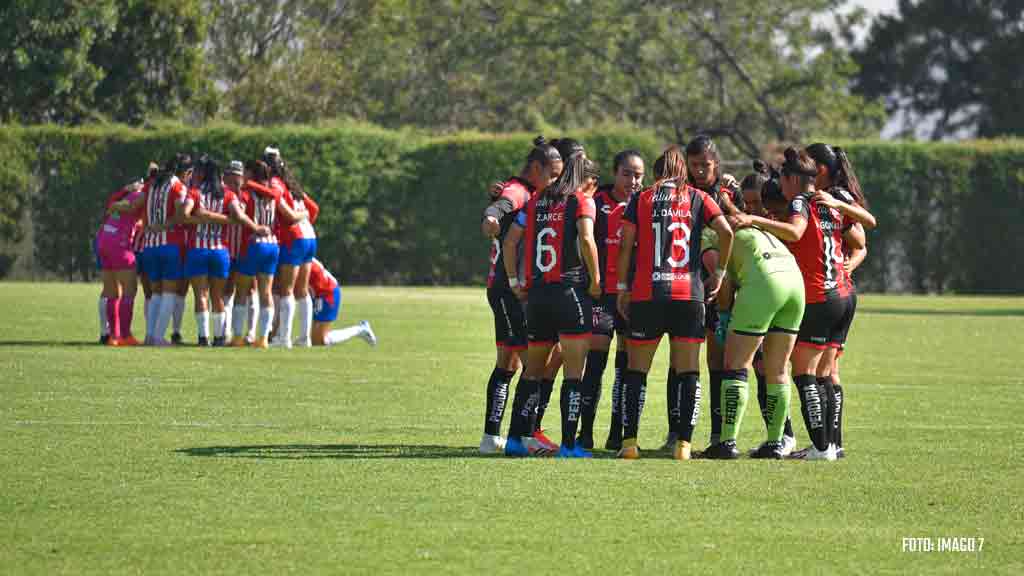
<point>126,310</point>
<point>113,318</point>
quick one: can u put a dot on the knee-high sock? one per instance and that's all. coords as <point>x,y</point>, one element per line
<point>287,312</point>
<point>163,318</point>
<point>840,402</point>
<point>147,313</point>
<point>203,324</point>
<point>342,334</point>
<point>179,312</point>
<point>153,305</point>
<point>777,398</point>
<point>218,319</point>
<point>570,402</point>
<point>238,316</point>
<point>715,389</point>
<point>762,395</point>
<point>524,406</point>
<point>126,313</point>
<point>633,384</point>
<point>673,399</point>
<point>735,394</point>
<point>305,314</point>
<point>229,305</point>
<point>114,317</point>
<point>497,396</point>
<point>546,387</point>
<point>102,308</point>
<point>812,408</point>
<point>689,394</point>
<point>276,329</point>
<point>266,321</point>
<point>597,361</point>
<point>827,392</point>
<point>621,361</point>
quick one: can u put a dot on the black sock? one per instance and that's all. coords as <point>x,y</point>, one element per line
<point>571,402</point>
<point>788,429</point>
<point>597,361</point>
<point>497,395</point>
<point>827,394</point>
<point>689,399</point>
<point>621,361</point>
<point>839,403</point>
<point>674,399</point>
<point>812,409</point>
<point>762,395</point>
<point>546,386</point>
<point>524,405</point>
<point>633,384</point>
<point>715,389</point>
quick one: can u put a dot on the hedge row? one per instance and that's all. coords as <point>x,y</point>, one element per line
<point>400,207</point>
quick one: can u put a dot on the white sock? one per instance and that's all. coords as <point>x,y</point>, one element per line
<point>164,316</point>
<point>179,311</point>
<point>305,317</point>
<point>228,305</point>
<point>203,324</point>
<point>219,323</point>
<point>287,314</point>
<point>338,336</point>
<point>251,315</point>
<point>277,318</point>
<point>146,312</point>
<point>266,321</point>
<point>238,318</point>
<point>152,313</point>
<point>104,327</point>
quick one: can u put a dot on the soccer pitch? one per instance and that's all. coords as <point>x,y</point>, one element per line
<point>363,461</point>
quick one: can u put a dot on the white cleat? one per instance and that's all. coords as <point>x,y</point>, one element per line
<point>829,454</point>
<point>788,445</point>
<point>279,343</point>
<point>491,444</point>
<point>303,343</point>
<point>367,334</point>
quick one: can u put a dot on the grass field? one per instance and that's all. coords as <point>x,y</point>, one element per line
<point>356,460</point>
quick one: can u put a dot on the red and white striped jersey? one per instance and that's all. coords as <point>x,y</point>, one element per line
<point>322,282</point>
<point>303,229</point>
<point>161,206</point>
<point>233,232</point>
<point>263,207</point>
<point>211,236</point>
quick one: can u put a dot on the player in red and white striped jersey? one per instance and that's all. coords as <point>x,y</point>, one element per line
<point>327,303</point>
<point>234,178</point>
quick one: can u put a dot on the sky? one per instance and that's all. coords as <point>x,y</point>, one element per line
<point>877,5</point>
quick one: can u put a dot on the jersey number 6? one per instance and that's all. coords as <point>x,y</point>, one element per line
<point>545,249</point>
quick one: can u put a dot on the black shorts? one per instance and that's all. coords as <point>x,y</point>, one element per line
<point>557,311</point>
<point>826,324</point>
<point>851,312</point>
<point>683,320</point>
<point>607,318</point>
<point>509,318</point>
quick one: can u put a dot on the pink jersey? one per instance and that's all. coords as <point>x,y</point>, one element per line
<point>211,236</point>
<point>118,228</point>
<point>161,207</point>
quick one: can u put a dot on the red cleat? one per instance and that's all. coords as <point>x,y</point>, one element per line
<point>545,441</point>
<point>129,341</point>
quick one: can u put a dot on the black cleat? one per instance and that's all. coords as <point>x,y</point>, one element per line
<point>768,451</point>
<point>219,342</point>
<point>722,451</point>
<point>203,342</point>
<point>176,339</point>
<point>840,453</point>
<point>586,441</point>
<point>614,442</point>
<point>104,339</point>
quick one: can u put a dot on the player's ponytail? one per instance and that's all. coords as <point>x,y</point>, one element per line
<point>567,147</point>
<point>847,178</point>
<point>543,153</point>
<point>212,185</point>
<point>670,166</point>
<point>258,170</point>
<point>575,173</point>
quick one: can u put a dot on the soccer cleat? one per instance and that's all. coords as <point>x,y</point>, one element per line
<point>614,441</point>
<point>203,342</point>
<point>576,451</point>
<point>630,450</point>
<point>104,339</point>
<point>768,451</point>
<point>238,342</point>
<point>828,454</point>
<point>788,444</point>
<point>113,342</point>
<point>218,341</point>
<point>129,341</point>
<point>303,343</point>
<point>366,333</point>
<point>682,450</point>
<point>280,343</point>
<point>524,446</point>
<point>545,441</point>
<point>722,451</point>
<point>491,444</point>
<point>840,453</point>
<point>176,339</point>
<point>670,442</point>
<point>261,343</point>
<point>587,442</point>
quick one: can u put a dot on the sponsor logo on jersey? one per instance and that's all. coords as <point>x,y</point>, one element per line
<point>670,276</point>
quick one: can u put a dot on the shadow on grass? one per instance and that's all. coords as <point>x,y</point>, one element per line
<point>346,451</point>
<point>985,313</point>
<point>32,343</point>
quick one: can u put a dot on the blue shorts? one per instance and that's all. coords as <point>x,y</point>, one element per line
<point>236,263</point>
<point>140,266</point>
<point>207,262</point>
<point>259,258</point>
<point>301,252</point>
<point>163,263</point>
<point>325,312</point>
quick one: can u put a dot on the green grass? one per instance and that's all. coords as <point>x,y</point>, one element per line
<point>357,460</point>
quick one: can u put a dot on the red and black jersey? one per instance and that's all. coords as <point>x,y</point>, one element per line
<point>819,252</point>
<point>669,221</point>
<point>515,194</point>
<point>608,234</point>
<point>718,190</point>
<point>552,251</point>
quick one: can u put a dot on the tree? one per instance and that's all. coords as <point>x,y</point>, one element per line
<point>953,65</point>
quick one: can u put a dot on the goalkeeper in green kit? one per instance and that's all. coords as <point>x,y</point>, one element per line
<point>769,306</point>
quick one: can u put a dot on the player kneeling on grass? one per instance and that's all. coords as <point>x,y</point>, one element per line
<point>326,304</point>
<point>769,306</point>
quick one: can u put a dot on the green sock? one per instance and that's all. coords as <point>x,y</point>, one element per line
<point>734,403</point>
<point>777,407</point>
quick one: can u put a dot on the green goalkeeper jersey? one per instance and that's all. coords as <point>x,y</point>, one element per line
<point>757,254</point>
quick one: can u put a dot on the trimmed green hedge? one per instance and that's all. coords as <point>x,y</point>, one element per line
<point>401,207</point>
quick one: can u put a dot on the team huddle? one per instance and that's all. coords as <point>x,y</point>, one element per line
<point>242,236</point>
<point>760,271</point>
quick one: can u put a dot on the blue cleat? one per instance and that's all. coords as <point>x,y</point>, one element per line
<point>574,452</point>
<point>515,448</point>
<point>580,452</point>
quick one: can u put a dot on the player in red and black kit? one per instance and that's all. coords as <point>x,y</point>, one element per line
<point>814,235</point>
<point>662,226</point>
<point>836,176</point>
<point>610,203</point>
<point>563,277</point>
<point>508,310</point>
